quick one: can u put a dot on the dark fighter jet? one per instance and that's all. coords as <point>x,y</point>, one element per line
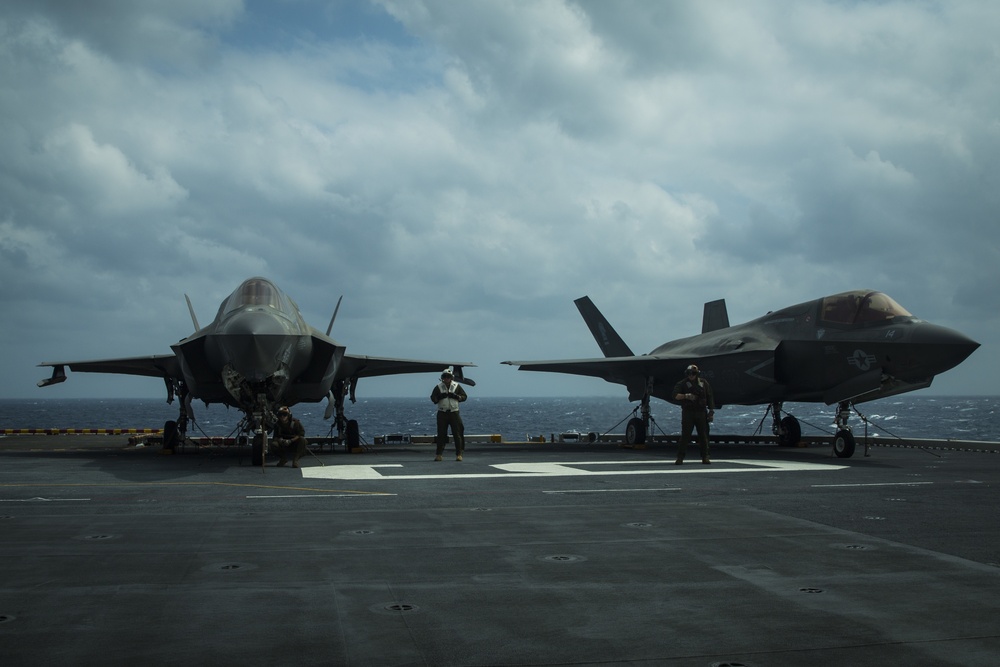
<point>844,349</point>
<point>257,355</point>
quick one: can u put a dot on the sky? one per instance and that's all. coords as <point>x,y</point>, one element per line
<point>460,172</point>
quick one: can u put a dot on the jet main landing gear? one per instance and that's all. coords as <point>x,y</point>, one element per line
<point>786,430</point>
<point>638,427</point>
<point>635,432</point>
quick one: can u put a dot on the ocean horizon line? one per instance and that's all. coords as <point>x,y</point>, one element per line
<point>472,397</point>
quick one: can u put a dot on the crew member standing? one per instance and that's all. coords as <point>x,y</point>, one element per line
<point>447,395</point>
<point>289,435</point>
<point>697,410</point>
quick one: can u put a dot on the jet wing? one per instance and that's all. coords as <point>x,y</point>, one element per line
<point>629,371</point>
<point>620,370</point>
<point>356,366</point>
<point>634,372</point>
<point>604,367</point>
<point>160,365</point>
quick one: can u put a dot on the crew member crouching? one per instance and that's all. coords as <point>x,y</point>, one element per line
<point>288,435</point>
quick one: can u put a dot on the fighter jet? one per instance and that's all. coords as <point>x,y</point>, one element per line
<point>845,349</point>
<point>257,355</point>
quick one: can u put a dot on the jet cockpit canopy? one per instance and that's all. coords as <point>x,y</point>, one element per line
<point>860,307</point>
<point>257,292</point>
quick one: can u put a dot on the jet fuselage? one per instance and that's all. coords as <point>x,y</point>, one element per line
<point>815,352</point>
<point>258,344</point>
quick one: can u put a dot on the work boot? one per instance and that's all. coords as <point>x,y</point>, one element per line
<point>678,462</point>
<point>706,461</point>
<point>282,462</point>
<point>438,458</point>
<point>458,458</point>
<point>295,464</point>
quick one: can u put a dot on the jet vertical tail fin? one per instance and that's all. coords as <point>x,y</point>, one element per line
<point>715,316</point>
<point>329,328</point>
<point>607,338</point>
<point>194,318</point>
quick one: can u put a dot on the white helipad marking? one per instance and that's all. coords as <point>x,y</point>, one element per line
<point>350,471</point>
<point>569,469</point>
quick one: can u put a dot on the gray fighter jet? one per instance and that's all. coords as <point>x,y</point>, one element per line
<point>847,348</point>
<point>257,355</point>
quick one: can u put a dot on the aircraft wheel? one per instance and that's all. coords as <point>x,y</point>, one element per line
<point>789,432</point>
<point>843,444</point>
<point>170,435</point>
<point>635,432</point>
<point>353,435</point>
<point>257,451</point>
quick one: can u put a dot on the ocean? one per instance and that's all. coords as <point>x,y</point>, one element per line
<point>907,416</point>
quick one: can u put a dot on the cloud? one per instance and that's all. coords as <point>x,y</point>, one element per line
<point>461,171</point>
<point>132,31</point>
<point>101,178</point>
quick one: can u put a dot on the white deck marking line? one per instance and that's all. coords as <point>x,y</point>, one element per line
<point>549,469</point>
<point>610,490</point>
<point>44,500</point>
<point>872,484</point>
<point>327,495</point>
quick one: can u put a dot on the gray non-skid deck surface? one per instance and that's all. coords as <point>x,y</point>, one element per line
<point>112,558</point>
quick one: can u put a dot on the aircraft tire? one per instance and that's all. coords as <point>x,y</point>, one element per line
<point>353,435</point>
<point>170,435</point>
<point>257,451</point>
<point>843,444</point>
<point>635,432</point>
<point>789,432</point>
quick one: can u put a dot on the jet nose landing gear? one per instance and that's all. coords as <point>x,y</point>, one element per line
<point>843,441</point>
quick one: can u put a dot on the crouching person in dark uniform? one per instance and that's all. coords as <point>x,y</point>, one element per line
<point>697,410</point>
<point>289,435</point>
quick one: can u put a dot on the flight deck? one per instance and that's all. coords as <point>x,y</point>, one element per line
<point>521,554</point>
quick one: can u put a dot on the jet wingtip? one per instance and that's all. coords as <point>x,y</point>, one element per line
<point>58,375</point>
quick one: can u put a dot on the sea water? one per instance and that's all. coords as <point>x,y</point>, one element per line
<point>907,416</point>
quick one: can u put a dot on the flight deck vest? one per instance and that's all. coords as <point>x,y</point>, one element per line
<point>445,403</point>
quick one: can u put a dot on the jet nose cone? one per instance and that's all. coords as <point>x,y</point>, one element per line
<point>253,323</point>
<point>948,346</point>
<point>254,343</point>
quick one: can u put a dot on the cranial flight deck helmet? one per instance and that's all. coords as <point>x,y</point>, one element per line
<point>692,370</point>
